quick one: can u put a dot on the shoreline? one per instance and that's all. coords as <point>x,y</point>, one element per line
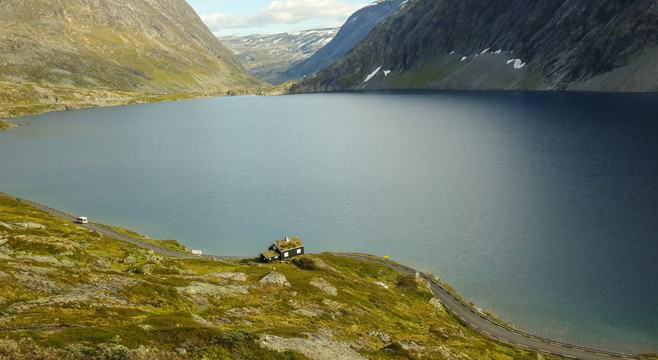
<point>472,316</point>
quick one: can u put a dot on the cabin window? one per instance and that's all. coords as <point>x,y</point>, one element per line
<point>299,251</point>
<point>285,254</point>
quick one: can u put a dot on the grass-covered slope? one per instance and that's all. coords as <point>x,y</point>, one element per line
<point>69,293</point>
<point>136,46</point>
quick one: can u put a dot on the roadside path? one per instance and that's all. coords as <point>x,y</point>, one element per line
<point>108,231</point>
<point>482,323</point>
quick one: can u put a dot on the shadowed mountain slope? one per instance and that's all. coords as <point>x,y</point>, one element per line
<point>355,28</point>
<point>606,45</point>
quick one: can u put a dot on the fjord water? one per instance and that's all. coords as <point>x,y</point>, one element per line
<point>541,207</point>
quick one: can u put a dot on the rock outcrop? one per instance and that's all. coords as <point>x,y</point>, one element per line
<point>317,347</point>
<point>323,285</point>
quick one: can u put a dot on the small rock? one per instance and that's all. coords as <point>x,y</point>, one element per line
<point>146,327</point>
<point>243,310</point>
<point>203,321</point>
<point>323,285</point>
<point>222,320</point>
<point>180,351</point>
<point>380,334</point>
<point>436,303</point>
<point>305,312</point>
<point>408,345</point>
<point>332,305</point>
<point>274,279</point>
<point>131,259</point>
<point>67,263</point>
<point>201,301</point>
<point>101,264</point>
<point>384,337</point>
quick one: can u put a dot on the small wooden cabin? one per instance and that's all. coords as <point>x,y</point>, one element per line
<point>283,249</point>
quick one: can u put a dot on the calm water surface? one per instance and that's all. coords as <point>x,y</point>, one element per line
<point>539,206</point>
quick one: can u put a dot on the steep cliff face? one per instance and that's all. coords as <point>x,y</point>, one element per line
<point>504,44</point>
<point>147,46</point>
<point>355,28</point>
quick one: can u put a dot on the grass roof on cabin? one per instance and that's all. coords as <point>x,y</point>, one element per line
<point>291,244</point>
<point>270,254</point>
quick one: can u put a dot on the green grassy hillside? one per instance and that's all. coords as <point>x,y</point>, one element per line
<point>69,293</point>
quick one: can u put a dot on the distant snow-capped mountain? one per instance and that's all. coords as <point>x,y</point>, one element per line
<point>355,28</point>
<point>267,57</point>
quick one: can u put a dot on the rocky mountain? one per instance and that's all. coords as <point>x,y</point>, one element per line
<point>355,28</point>
<point>603,45</point>
<point>137,46</point>
<point>267,57</point>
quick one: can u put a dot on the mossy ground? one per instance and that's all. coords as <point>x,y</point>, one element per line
<point>142,309</point>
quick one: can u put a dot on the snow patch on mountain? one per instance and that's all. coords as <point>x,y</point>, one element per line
<point>518,63</point>
<point>372,74</point>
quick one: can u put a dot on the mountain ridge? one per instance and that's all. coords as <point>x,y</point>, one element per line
<point>138,46</point>
<point>502,44</point>
<point>268,56</point>
<point>355,28</point>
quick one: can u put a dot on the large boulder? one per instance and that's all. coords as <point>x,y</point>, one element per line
<point>274,279</point>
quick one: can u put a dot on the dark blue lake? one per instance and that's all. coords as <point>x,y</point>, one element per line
<point>541,207</point>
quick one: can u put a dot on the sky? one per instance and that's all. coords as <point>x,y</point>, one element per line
<point>244,17</point>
